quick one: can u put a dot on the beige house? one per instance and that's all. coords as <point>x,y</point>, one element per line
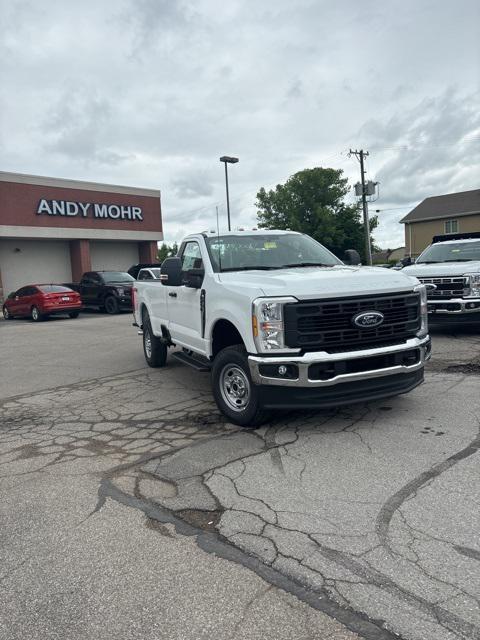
<point>451,213</point>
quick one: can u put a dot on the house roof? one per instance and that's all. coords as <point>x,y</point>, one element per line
<point>465,203</point>
<point>384,254</point>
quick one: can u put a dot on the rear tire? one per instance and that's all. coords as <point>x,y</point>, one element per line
<point>6,314</point>
<point>154,348</point>
<point>234,392</point>
<point>74,314</point>
<point>111,305</point>
<point>36,315</point>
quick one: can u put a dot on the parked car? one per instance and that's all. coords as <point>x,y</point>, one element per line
<point>153,273</point>
<point>135,269</point>
<point>107,290</point>
<point>280,322</point>
<point>450,269</point>
<point>38,301</point>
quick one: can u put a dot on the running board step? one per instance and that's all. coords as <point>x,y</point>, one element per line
<point>197,363</point>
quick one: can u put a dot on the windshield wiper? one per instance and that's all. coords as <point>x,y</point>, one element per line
<point>461,260</point>
<point>429,262</point>
<point>305,264</point>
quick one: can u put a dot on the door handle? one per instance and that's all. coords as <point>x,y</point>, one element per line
<point>172,294</point>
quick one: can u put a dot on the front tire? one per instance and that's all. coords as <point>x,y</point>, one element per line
<point>154,348</point>
<point>36,315</point>
<point>111,305</point>
<point>6,314</point>
<point>234,392</point>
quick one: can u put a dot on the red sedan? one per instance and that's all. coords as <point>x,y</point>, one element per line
<point>38,301</point>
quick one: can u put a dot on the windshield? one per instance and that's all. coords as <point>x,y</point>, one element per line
<point>443,252</point>
<point>267,251</point>
<point>116,276</point>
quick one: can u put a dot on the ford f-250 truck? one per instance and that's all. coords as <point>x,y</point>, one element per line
<point>281,323</point>
<point>452,265</point>
<point>107,290</point>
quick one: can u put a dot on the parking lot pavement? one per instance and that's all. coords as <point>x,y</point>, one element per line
<point>61,350</point>
<point>130,509</point>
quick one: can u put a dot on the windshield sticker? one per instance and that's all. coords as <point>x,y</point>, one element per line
<point>270,245</point>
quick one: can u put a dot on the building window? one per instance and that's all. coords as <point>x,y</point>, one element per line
<point>451,226</point>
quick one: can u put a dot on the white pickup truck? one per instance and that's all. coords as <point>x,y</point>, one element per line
<point>282,323</point>
<point>452,265</point>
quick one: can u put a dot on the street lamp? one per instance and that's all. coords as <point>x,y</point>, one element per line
<point>228,160</point>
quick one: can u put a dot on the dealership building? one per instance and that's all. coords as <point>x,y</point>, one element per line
<point>53,230</point>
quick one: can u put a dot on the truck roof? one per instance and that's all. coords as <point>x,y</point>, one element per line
<point>456,240</point>
<point>455,237</point>
<point>213,232</point>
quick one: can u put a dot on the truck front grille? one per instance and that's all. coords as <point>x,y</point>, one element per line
<point>324,324</point>
<point>446,287</point>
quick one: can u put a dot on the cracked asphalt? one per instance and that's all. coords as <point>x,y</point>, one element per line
<point>130,509</point>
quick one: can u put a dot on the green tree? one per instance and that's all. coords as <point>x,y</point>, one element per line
<point>312,202</point>
<point>167,251</point>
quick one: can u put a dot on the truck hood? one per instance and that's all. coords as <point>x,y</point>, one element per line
<point>442,269</point>
<point>309,283</point>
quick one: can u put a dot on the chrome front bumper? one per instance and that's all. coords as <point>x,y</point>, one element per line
<point>461,304</point>
<point>304,362</point>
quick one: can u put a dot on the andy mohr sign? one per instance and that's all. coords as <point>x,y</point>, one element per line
<point>89,210</point>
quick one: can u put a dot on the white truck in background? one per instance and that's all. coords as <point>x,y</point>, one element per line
<point>450,269</point>
<point>280,323</point>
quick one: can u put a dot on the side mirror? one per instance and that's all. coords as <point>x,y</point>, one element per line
<point>171,272</point>
<point>352,257</point>
<point>406,261</point>
<point>193,278</point>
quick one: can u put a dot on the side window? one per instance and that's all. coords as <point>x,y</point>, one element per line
<point>30,291</point>
<point>95,278</point>
<point>21,293</point>
<point>191,257</point>
<point>144,275</point>
<point>451,226</point>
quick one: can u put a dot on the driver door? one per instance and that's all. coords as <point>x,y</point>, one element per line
<point>17,305</point>
<point>184,312</point>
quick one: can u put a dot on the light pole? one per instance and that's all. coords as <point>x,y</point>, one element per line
<point>228,160</point>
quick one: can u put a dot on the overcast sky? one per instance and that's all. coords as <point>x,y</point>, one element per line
<point>151,92</point>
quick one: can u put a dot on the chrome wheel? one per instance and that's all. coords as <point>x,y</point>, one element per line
<point>147,342</point>
<point>234,387</point>
<point>35,314</point>
<point>6,313</point>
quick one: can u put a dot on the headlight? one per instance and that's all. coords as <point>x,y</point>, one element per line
<point>473,285</point>
<point>267,324</point>
<point>422,290</point>
<point>120,291</point>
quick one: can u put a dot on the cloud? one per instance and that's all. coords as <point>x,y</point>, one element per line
<point>429,149</point>
<point>152,92</point>
<point>76,126</point>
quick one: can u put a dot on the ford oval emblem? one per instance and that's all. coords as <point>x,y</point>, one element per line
<point>368,319</point>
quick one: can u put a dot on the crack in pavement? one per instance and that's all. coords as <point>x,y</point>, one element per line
<point>185,467</point>
<point>411,488</point>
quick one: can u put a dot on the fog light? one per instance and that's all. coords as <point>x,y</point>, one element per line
<point>284,371</point>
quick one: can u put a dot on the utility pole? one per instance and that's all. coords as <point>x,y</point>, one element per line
<point>366,223</point>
